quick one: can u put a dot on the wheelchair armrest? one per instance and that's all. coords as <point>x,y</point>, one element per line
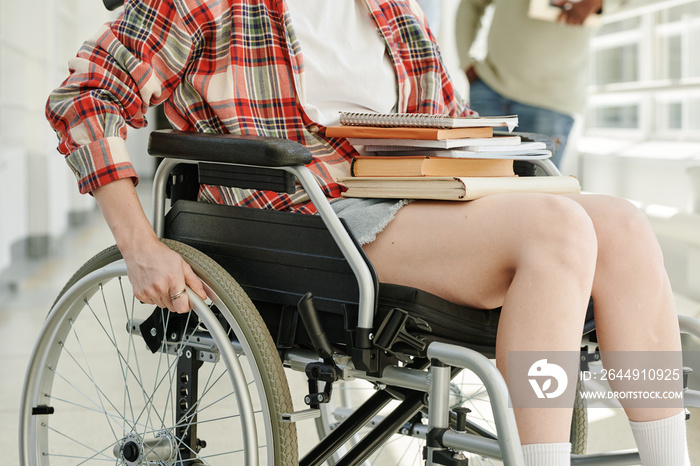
<point>228,148</point>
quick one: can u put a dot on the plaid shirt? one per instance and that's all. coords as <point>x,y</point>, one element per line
<point>222,67</point>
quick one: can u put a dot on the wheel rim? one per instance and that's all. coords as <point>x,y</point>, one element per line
<point>74,412</point>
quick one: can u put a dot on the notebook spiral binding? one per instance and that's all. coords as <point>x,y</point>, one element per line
<point>394,119</point>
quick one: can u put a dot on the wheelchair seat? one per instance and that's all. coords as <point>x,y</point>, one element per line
<point>277,257</point>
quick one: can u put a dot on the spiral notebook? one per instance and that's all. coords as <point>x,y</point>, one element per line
<point>425,120</point>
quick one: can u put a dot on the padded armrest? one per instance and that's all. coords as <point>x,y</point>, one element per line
<point>228,148</point>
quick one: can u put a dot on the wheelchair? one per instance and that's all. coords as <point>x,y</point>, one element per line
<point>116,381</point>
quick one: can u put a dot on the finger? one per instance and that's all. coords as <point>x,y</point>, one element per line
<point>152,298</point>
<point>180,303</point>
<point>193,281</point>
<point>156,301</point>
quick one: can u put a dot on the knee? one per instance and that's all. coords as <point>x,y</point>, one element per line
<point>620,214</point>
<point>623,229</point>
<point>562,235</point>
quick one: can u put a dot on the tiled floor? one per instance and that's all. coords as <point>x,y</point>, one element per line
<point>35,284</point>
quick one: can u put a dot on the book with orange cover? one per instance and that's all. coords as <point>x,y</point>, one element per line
<point>373,165</point>
<point>435,134</point>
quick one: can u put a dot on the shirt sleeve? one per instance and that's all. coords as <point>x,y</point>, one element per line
<point>469,21</point>
<point>131,63</point>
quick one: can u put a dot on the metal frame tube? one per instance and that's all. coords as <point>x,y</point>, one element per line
<point>346,430</point>
<point>388,427</point>
<point>438,403</point>
<point>689,326</point>
<point>507,430</point>
<point>160,181</point>
<point>395,376</point>
<point>547,166</point>
<point>347,246</point>
<point>619,458</point>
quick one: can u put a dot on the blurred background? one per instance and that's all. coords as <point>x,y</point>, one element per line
<point>638,138</point>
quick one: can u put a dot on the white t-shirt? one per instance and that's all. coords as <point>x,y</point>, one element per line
<point>356,58</point>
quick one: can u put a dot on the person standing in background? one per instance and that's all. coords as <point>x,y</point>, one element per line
<point>534,68</point>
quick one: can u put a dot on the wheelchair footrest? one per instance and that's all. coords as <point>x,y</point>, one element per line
<point>302,415</point>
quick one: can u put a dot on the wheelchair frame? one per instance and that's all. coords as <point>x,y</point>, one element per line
<point>436,380</point>
<point>444,359</point>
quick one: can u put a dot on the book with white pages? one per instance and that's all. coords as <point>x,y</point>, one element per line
<point>523,146</point>
<point>499,140</point>
<point>424,143</point>
<point>466,154</point>
<point>534,149</point>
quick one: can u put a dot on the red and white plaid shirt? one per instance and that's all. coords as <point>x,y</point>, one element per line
<point>222,67</point>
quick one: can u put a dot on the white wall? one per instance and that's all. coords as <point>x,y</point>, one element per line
<point>38,193</point>
<point>36,189</point>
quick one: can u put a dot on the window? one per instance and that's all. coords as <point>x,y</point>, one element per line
<point>645,72</point>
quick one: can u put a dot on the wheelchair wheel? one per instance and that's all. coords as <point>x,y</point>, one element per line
<point>405,448</point>
<point>117,381</point>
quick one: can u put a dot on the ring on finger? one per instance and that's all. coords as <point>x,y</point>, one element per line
<point>177,295</point>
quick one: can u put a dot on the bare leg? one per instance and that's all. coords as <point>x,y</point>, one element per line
<point>634,307</point>
<point>533,254</point>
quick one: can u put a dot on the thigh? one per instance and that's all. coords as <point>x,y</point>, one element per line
<point>467,252</point>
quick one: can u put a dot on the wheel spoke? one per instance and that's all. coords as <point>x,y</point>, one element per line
<point>91,367</point>
<point>95,452</point>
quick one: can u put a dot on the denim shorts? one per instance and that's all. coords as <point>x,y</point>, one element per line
<point>367,217</point>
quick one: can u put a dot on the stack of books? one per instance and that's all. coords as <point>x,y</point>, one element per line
<point>421,156</point>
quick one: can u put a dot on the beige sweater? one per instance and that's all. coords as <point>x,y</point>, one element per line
<point>536,62</point>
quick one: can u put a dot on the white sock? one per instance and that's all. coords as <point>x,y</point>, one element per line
<point>547,454</point>
<point>662,442</point>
